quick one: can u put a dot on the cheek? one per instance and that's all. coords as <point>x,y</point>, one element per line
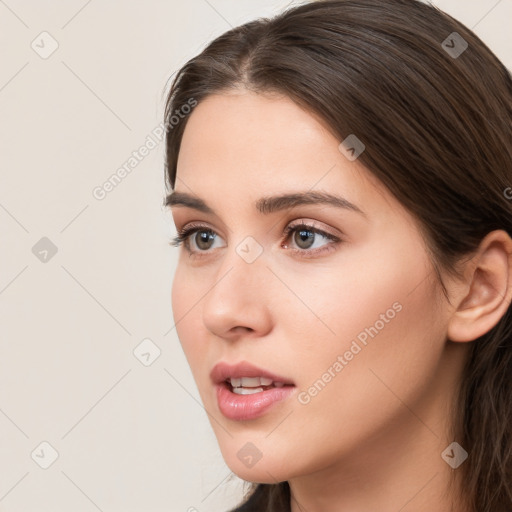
<point>186,307</point>
<point>362,292</point>
<point>382,324</point>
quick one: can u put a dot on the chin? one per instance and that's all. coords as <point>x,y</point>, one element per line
<point>260,474</point>
<point>249,463</point>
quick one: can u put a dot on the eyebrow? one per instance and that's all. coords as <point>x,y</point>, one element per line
<point>270,204</point>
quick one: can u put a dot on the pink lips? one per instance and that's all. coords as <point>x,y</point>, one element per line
<point>223,371</point>
<point>247,407</point>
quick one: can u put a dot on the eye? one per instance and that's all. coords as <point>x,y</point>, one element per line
<point>305,238</point>
<point>203,238</point>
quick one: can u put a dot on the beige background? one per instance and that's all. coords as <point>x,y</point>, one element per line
<point>129,437</point>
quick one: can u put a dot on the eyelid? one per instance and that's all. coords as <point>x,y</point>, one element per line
<point>310,224</point>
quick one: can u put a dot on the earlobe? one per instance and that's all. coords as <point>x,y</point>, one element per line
<point>488,293</point>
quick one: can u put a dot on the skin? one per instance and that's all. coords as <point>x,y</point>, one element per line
<point>372,438</point>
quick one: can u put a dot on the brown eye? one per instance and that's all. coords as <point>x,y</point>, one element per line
<point>198,240</point>
<point>203,239</point>
<point>306,236</point>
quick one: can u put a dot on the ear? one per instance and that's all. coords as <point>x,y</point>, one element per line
<point>487,291</point>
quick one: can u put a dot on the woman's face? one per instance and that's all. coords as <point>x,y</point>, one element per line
<point>350,315</point>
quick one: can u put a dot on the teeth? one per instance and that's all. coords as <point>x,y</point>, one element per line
<point>247,391</point>
<point>253,382</point>
<point>236,383</point>
<point>250,382</point>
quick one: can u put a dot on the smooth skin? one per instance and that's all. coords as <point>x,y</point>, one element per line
<point>372,438</point>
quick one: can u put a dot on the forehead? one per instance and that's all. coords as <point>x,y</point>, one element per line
<point>226,126</point>
<point>240,146</point>
<point>243,137</point>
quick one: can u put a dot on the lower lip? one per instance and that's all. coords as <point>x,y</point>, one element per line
<point>249,407</point>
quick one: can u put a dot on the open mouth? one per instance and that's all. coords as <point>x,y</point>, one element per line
<point>248,398</point>
<point>251,385</point>
<point>245,392</point>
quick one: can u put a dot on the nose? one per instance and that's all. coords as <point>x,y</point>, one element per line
<point>239,298</point>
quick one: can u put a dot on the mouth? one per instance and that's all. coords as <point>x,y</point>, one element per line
<point>252,385</point>
<point>245,392</point>
<point>246,375</point>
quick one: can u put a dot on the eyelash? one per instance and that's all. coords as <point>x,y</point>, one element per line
<point>184,234</point>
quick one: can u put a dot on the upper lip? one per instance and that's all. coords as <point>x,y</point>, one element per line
<point>223,371</point>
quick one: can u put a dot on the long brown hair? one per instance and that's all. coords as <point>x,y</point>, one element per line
<point>434,111</point>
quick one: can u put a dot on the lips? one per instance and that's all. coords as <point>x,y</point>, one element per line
<point>246,392</point>
<point>223,371</point>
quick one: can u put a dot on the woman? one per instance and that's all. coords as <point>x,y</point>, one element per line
<point>339,180</point>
